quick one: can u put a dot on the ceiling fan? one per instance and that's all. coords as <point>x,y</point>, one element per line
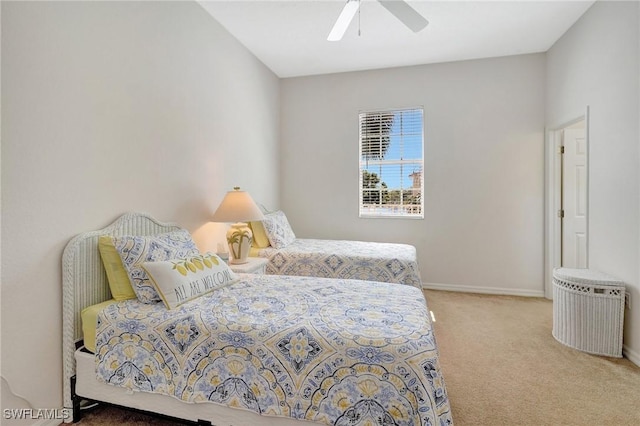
<point>399,8</point>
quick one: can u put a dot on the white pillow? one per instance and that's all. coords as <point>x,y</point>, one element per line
<point>278,230</point>
<point>134,250</point>
<point>179,280</point>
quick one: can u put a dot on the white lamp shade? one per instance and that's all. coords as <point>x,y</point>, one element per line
<point>237,206</point>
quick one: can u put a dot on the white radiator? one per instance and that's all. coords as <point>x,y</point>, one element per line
<point>588,311</point>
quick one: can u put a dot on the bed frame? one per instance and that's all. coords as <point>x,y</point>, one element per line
<point>84,283</point>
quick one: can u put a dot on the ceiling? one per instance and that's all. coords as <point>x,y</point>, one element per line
<point>290,36</point>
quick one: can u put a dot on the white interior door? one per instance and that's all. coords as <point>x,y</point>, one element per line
<point>574,198</point>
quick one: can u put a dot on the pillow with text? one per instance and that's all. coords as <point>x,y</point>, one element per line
<point>180,280</point>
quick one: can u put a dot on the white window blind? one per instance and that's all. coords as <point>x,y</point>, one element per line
<point>391,163</point>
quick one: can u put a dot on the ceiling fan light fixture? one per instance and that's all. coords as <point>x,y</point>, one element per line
<point>345,18</point>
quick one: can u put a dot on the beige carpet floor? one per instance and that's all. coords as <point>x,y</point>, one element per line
<point>503,367</point>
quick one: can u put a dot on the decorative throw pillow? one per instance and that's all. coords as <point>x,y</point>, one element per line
<point>134,250</point>
<point>179,280</point>
<point>260,238</point>
<point>119,282</point>
<point>278,230</point>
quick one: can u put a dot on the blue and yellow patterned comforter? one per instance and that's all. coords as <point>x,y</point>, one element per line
<point>386,262</point>
<point>324,350</point>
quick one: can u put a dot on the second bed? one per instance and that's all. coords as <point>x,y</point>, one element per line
<point>275,240</point>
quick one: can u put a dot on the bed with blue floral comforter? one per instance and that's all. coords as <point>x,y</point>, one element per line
<point>332,351</point>
<point>372,261</point>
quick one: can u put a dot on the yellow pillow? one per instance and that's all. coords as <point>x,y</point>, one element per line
<point>119,282</point>
<point>260,239</point>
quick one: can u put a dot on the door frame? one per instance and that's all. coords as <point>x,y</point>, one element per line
<point>553,198</point>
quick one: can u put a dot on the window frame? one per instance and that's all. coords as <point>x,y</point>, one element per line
<point>363,163</point>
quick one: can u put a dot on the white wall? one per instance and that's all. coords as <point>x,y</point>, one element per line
<point>484,166</point>
<point>110,107</point>
<point>596,64</point>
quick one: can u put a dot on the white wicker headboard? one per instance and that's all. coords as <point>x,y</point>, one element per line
<point>84,281</point>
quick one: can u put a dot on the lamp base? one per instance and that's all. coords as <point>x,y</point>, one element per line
<point>239,238</point>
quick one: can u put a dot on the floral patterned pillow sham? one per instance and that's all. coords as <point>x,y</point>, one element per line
<point>278,229</point>
<point>135,250</point>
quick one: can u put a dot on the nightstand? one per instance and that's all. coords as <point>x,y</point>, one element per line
<point>255,265</point>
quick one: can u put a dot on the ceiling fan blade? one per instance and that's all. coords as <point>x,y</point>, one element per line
<point>341,25</point>
<point>406,14</point>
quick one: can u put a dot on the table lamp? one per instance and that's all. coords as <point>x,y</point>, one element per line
<point>239,208</point>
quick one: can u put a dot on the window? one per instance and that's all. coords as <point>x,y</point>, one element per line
<point>391,163</point>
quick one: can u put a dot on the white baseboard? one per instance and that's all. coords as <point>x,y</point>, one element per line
<point>484,290</point>
<point>631,355</point>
